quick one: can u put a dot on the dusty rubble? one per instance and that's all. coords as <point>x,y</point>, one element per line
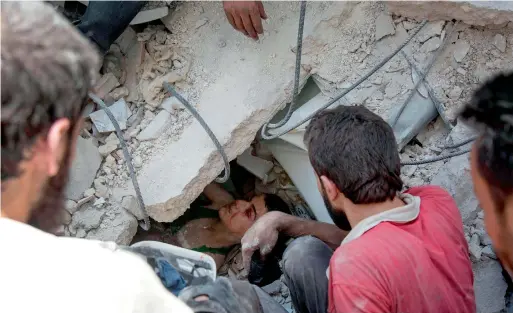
<point>216,69</point>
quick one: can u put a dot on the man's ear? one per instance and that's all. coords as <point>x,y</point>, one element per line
<point>57,141</point>
<point>331,189</point>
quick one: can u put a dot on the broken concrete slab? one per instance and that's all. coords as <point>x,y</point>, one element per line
<point>455,177</point>
<point>482,13</point>
<point>384,26</point>
<point>117,225</point>
<point>105,84</point>
<point>489,287</point>
<point>131,204</point>
<point>119,110</point>
<point>84,167</point>
<point>460,50</point>
<point>156,127</point>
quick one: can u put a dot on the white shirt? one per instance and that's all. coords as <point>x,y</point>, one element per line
<point>40,272</point>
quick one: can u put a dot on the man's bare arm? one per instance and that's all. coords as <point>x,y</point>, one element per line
<point>217,195</point>
<point>294,226</point>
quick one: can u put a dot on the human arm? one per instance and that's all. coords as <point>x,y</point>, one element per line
<point>246,16</point>
<point>263,235</point>
<point>217,195</point>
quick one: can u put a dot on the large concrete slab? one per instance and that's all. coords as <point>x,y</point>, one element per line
<point>482,13</point>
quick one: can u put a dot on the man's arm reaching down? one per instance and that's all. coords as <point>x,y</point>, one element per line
<point>263,235</point>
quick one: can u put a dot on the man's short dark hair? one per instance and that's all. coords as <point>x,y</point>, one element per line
<point>356,149</point>
<point>275,203</point>
<point>47,70</point>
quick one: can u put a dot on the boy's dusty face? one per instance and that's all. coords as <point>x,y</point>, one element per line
<point>240,215</point>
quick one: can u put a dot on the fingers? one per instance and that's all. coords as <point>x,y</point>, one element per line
<point>230,19</point>
<point>261,10</point>
<point>248,25</point>
<point>256,22</point>
<point>239,25</point>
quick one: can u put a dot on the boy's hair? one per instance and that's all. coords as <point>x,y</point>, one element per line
<point>491,109</point>
<point>47,70</point>
<point>356,149</point>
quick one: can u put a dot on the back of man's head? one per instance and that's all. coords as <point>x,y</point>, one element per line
<point>356,149</point>
<point>47,69</point>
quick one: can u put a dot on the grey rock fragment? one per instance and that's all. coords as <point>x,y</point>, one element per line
<point>107,148</point>
<point>118,225</point>
<point>83,169</point>
<point>131,204</point>
<point>461,49</point>
<point>119,110</point>
<point>500,42</point>
<point>432,44</point>
<point>384,26</point>
<point>71,206</point>
<point>88,217</point>
<point>156,126</point>
<point>488,252</point>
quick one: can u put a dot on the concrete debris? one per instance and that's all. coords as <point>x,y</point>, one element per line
<point>392,90</point>
<point>87,218</point>
<point>89,192</point>
<point>422,89</point>
<point>119,93</point>
<point>156,127</point>
<point>106,84</point>
<point>409,25</point>
<point>133,62</point>
<point>71,206</point>
<point>489,287</point>
<point>117,225</point>
<point>107,148</point>
<point>384,26</point>
<point>84,167</point>
<point>127,40</point>
<point>461,49</point>
<point>136,118</point>
<point>500,42</point>
<point>102,191</point>
<point>432,44</point>
<point>474,248</point>
<point>488,252</point>
<point>99,202</point>
<point>430,30</point>
<point>455,93</point>
<point>102,122</point>
<point>131,204</point>
<point>481,13</point>
<point>65,217</point>
<point>171,104</point>
<point>137,161</point>
<point>112,138</point>
<point>145,16</point>
<point>201,22</point>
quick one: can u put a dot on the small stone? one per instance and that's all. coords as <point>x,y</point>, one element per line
<point>461,71</point>
<point>500,42</point>
<point>488,252</point>
<point>461,49</point>
<point>148,115</point>
<point>71,206</point>
<point>384,26</point>
<point>156,127</point>
<point>119,93</point>
<point>107,148</point>
<point>354,47</point>
<point>80,233</point>
<point>221,43</point>
<point>177,64</point>
<point>378,80</point>
<point>105,85</point>
<point>474,247</point>
<point>455,93</point>
<point>110,161</point>
<point>136,118</point>
<point>485,239</point>
<point>65,217</point>
<point>102,191</point>
<point>480,214</point>
<point>432,44</point>
<point>99,202</point>
<point>112,138</point>
<point>171,104</point>
<point>137,161</point>
<point>89,192</point>
<point>409,25</point>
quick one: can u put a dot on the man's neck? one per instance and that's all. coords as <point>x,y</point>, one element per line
<point>359,212</point>
<point>14,205</point>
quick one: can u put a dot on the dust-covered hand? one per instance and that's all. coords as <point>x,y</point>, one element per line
<point>246,16</point>
<point>262,236</point>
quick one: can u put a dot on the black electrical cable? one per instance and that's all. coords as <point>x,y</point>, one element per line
<point>264,134</point>
<point>297,71</point>
<point>459,144</point>
<point>196,115</point>
<point>128,159</point>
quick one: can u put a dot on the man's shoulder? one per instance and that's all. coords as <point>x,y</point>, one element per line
<point>430,192</point>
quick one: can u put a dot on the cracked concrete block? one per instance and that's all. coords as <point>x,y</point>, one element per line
<point>84,167</point>
<point>156,127</point>
<point>384,26</point>
<point>102,121</point>
<point>460,50</point>
<point>489,287</point>
<point>130,204</point>
<point>87,218</point>
<point>117,225</point>
<point>482,13</point>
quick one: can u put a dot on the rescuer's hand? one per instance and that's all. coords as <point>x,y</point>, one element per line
<point>246,16</point>
<point>262,235</point>
<point>222,296</point>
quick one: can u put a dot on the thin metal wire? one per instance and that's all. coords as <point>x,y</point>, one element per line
<point>264,134</point>
<point>297,71</point>
<point>205,126</point>
<point>128,159</point>
<point>435,159</point>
